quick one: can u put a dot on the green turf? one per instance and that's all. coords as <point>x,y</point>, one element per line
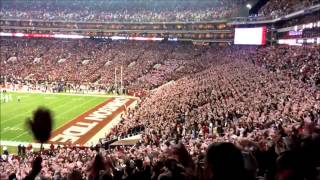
<point>14,149</point>
<point>64,108</point>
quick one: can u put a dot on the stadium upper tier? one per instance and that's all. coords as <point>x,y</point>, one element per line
<point>121,11</point>
<point>278,8</point>
<point>142,11</point>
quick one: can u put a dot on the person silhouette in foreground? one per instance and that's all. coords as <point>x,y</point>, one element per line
<point>224,162</point>
<point>36,168</point>
<point>41,126</point>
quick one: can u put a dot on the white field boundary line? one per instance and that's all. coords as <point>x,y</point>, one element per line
<point>74,94</point>
<point>16,143</point>
<point>106,129</point>
<point>56,116</point>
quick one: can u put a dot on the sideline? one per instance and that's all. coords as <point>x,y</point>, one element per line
<point>71,94</point>
<point>16,143</point>
<point>94,137</point>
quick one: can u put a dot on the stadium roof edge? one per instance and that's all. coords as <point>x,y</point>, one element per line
<point>257,20</point>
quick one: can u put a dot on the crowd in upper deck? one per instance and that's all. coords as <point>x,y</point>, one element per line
<point>121,11</point>
<point>277,8</point>
<point>140,11</point>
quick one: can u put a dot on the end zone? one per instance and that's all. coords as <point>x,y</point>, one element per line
<point>84,127</point>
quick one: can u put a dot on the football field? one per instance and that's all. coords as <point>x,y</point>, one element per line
<point>64,107</point>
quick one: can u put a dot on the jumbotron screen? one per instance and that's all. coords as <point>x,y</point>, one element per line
<point>250,36</point>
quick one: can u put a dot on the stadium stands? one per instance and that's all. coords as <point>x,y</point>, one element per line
<point>231,100</point>
<point>210,111</point>
<point>145,65</point>
<point>121,11</point>
<point>277,8</point>
<point>139,61</point>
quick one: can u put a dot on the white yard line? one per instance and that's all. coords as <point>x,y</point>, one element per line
<point>13,117</point>
<point>96,137</point>
<point>56,116</point>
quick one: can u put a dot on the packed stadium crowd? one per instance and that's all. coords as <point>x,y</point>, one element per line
<point>265,101</point>
<point>300,63</point>
<point>290,154</point>
<point>140,11</point>
<point>217,112</point>
<point>121,11</point>
<point>143,65</point>
<point>277,8</point>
